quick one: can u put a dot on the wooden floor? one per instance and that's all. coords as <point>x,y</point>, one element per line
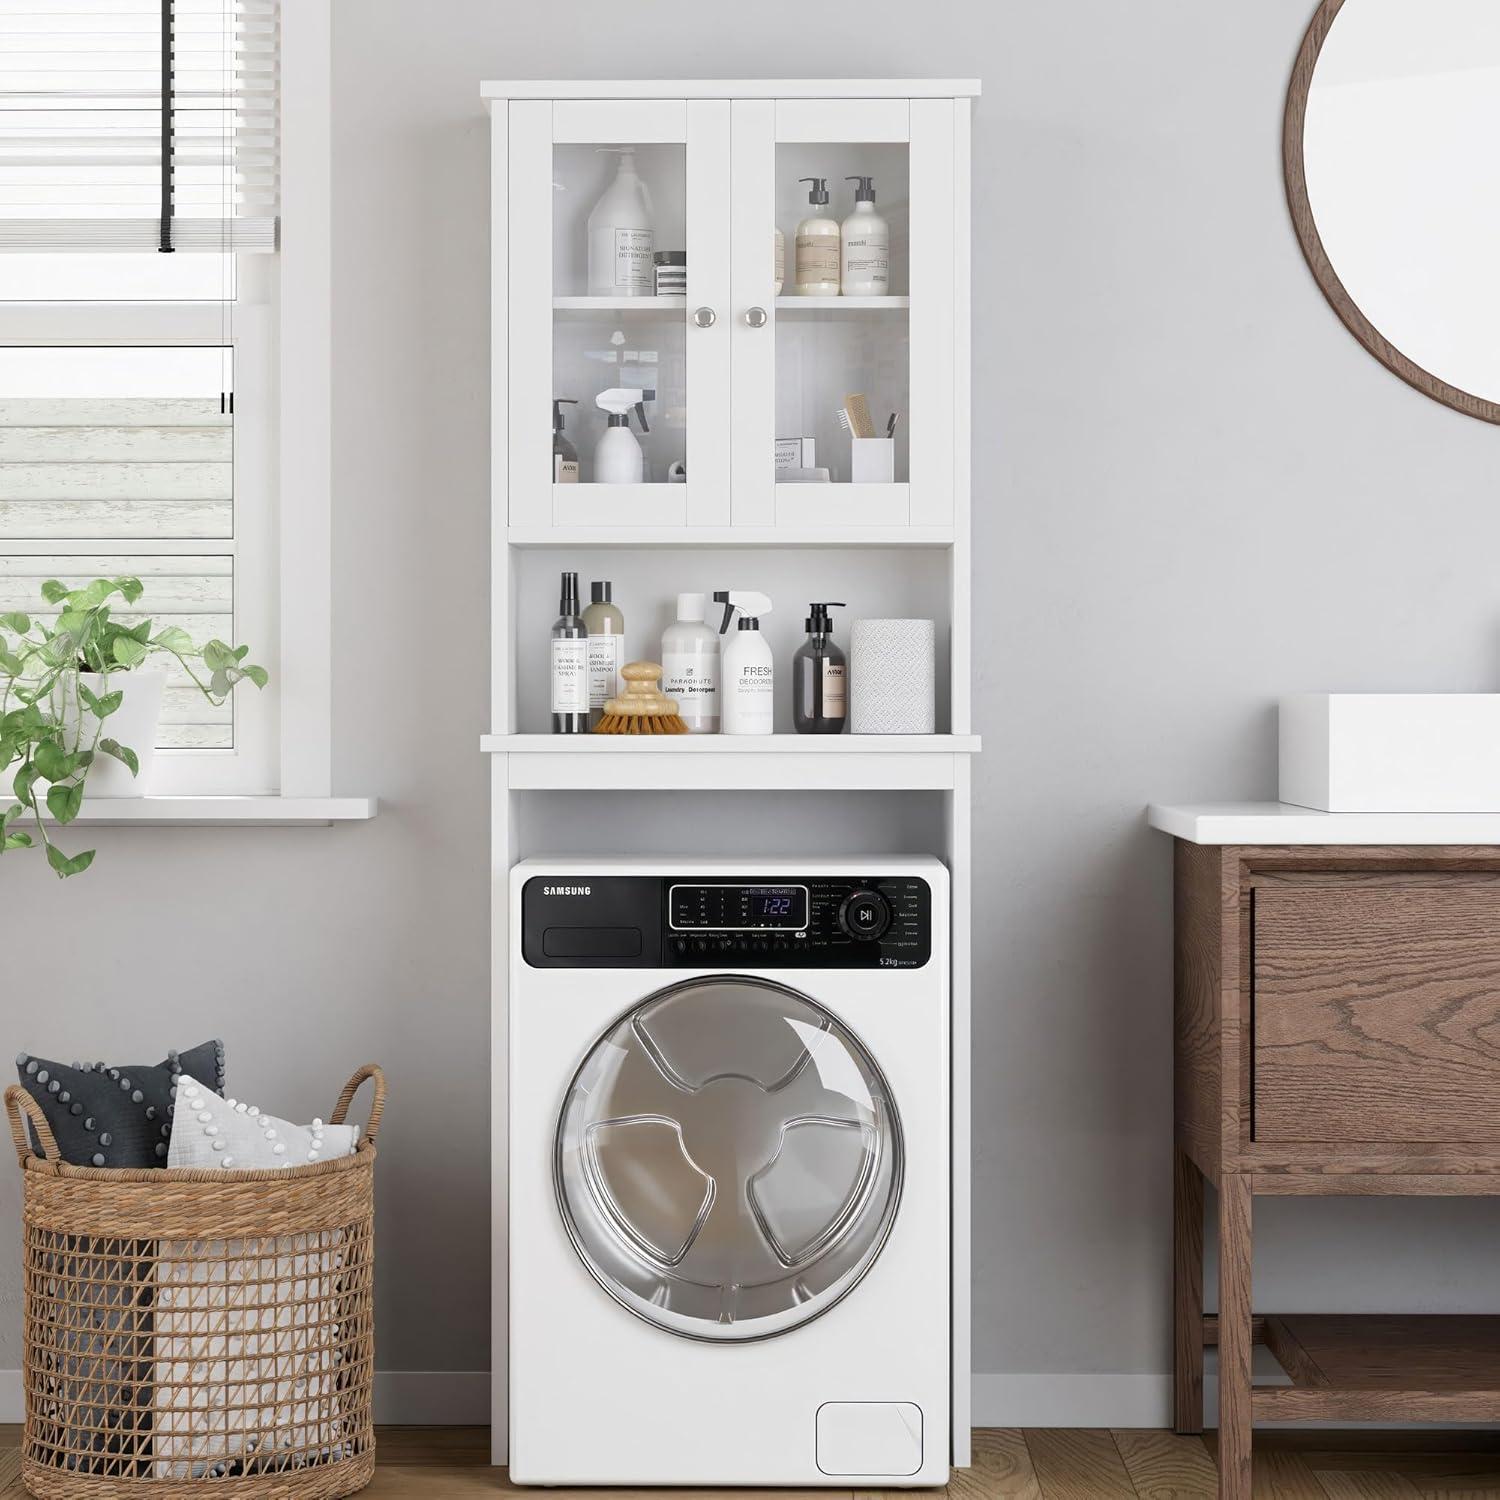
<point>452,1463</point>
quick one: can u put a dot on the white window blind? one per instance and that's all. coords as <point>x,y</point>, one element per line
<point>138,125</point>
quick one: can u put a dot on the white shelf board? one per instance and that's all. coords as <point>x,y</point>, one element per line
<point>1284,823</point>
<point>216,812</point>
<point>781,762</point>
<point>740,88</point>
<point>841,304</point>
<point>730,536</point>
<point>670,302</point>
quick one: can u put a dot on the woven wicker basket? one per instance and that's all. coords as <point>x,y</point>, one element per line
<point>197,1331</point>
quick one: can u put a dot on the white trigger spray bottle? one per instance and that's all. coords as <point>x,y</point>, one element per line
<point>618,458</point>
<point>747,669</point>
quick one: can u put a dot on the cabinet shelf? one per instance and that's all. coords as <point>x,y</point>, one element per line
<point>729,536</point>
<point>841,304</point>
<point>1380,1368</point>
<point>670,302</point>
<point>778,762</point>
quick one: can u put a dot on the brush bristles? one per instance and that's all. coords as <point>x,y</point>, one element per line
<point>641,724</point>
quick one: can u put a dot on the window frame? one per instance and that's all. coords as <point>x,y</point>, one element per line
<point>283,455</point>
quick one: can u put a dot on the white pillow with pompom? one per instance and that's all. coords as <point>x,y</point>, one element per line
<point>208,1131</point>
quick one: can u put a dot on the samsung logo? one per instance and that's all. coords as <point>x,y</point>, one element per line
<point>567,890</point>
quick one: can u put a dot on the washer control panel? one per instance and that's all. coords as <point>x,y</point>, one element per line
<point>802,922</point>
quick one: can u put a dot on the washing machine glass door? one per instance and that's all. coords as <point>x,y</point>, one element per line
<point>728,1159</point>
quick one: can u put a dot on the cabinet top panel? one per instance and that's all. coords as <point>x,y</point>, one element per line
<point>731,88</point>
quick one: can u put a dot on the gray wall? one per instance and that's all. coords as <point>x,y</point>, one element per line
<point>1193,492</point>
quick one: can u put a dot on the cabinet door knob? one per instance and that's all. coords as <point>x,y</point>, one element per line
<point>705,317</point>
<point>755,317</point>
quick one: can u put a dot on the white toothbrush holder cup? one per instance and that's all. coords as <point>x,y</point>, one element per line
<point>893,677</point>
<point>872,460</point>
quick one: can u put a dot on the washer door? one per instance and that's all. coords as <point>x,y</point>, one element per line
<point>729,1159</point>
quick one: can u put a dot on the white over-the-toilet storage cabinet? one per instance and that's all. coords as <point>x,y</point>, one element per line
<point>735,367</point>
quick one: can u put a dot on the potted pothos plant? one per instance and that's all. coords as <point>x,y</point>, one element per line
<point>80,695</point>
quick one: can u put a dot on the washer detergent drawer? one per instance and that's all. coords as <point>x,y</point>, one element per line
<point>869,1438</point>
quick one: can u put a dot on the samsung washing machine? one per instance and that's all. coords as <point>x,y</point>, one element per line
<point>729,1173</point>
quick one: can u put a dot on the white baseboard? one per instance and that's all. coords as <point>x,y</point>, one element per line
<point>422,1398</point>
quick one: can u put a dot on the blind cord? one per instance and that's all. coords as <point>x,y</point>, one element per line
<point>165,245</point>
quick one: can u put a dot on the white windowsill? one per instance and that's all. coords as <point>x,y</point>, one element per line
<point>217,812</point>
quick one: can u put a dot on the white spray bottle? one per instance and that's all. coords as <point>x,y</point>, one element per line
<point>618,458</point>
<point>747,669</point>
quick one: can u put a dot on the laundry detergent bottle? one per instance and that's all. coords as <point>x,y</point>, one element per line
<point>621,240</point>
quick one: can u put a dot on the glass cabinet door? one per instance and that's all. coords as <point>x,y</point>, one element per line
<point>843,312</point>
<point>618,377</point>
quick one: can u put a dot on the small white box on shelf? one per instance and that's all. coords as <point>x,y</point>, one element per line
<point>1391,752</point>
<point>872,460</point>
<point>795,453</point>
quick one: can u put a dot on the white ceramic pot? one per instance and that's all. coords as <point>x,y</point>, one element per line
<point>133,724</point>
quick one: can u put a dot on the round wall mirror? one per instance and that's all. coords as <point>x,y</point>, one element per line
<point>1392,155</point>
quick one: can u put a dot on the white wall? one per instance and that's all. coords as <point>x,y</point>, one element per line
<point>1193,492</point>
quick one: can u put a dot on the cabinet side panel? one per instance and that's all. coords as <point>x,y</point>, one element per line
<point>1196,983</point>
<point>528,260</point>
<point>933,311</point>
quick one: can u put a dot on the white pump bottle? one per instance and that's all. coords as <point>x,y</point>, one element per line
<point>618,457</point>
<point>747,668</point>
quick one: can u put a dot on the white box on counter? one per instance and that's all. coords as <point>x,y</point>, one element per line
<point>1391,752</point>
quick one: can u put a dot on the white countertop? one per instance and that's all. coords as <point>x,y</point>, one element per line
<point>1281,823</point>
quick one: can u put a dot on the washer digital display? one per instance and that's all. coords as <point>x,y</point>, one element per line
<point>739,908</point>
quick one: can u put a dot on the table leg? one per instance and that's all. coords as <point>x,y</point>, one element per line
<point>1187,1294</point>
<point>1235,1341</point>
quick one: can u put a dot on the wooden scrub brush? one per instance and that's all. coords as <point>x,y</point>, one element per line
<point>642,708</point>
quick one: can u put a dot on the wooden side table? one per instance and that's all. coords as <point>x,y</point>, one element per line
<point>1337,1026</point>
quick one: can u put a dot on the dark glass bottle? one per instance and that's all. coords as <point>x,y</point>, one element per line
<point>569,664</point>
<point>820,677</point>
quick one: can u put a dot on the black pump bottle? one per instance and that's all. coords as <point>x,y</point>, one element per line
<point>820,677</point>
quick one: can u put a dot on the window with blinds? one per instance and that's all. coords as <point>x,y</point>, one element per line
<point>137,389</point>
<point>128,125</point>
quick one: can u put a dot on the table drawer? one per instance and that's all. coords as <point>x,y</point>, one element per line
<point>1376,1009</point>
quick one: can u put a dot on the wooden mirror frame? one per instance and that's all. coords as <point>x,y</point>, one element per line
<point>1343,304</point>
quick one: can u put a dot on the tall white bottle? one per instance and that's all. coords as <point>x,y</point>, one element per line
<point>620,234</point>
<point>864,246</point>
<point>747,669</point>
<point>690,666</point>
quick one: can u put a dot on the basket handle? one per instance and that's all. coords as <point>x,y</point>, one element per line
<point>346,1098</point>
<point>19,1102</point>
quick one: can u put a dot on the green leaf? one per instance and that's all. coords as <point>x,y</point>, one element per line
<point>128,651</point>
<point>16,622</point>
<point>258,675</point>
<point>217,656</point>
<point>141,632</point>
<point>25,779</point>
<point>54,592</point>
<point>53,763</point>
<point>173,638</point>
<point>11,814</point>
<point>219,684</point>
<point>17,841</point>
<point>131,588</point>
<point>108,704</point>
<point>63,802</point>
<point>122,753</point>
<point>65,866</point>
